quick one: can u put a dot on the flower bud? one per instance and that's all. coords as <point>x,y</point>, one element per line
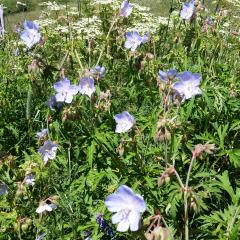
<point>161,233</point>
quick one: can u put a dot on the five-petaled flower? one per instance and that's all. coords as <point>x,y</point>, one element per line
<point>29,179</point>
<point>126,8</point>
<point>48,150</point>
<point>168,75</point>
<point>86,86</point>
<point>187,10</point>
<point>124,121</point>
<point>31,34</point>
<point>133,40</point>
<point>65,91</point>
<point>188,86</point>
<point>128,207</point>
<point>42,134</point>
<point>98,71</point>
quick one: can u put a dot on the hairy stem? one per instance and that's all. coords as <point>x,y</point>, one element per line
<point>186,200</point>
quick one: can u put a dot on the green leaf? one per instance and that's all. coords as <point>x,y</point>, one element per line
<point>234,157</point>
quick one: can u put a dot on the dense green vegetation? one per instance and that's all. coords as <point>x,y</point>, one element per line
<point>178,147</point>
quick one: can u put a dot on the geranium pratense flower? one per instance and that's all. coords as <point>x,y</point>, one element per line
<point>42,134</point>
<point>53,104</point>
<point>31,34</point>
<point>98,71</point>
<point>168,75</point>
<point>128,207</point>
<point>29,179</point>
<point>124,121</point>
<point>187,10</point>
<point>133,40</point>
<point>188,86</point>
<point>48,150</point>
<point>2,30</point>
<point>126,8</point>
<point>3,188</point>
<point>45,207</point>
<point>86,86</point>
<point>41,236</point>
<point>65,91</point>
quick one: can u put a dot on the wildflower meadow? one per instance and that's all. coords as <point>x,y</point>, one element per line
<point>118,123</point>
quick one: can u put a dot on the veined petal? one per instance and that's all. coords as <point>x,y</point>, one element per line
<point>115,202</point>
<point>116,218</point>
<point>123,226</point>
<point>134,218</point>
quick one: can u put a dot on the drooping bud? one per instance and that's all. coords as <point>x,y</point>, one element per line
<point>199,149</point>
<point>161,233</point>
<point>165,177</point>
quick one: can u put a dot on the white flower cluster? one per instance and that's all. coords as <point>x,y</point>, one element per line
<point>149,23</point>
<point>88,26</point>
<point>114,4</point>
<point>45,22</point>
<point>144,21</point>
<point>53,6</point>
<point>236,3</point>
<point>73,11</point>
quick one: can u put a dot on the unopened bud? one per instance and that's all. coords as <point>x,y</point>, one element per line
<point>161,233</point>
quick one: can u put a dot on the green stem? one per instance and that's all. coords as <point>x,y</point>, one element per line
<point>186,200</point>
<point>107,37</point>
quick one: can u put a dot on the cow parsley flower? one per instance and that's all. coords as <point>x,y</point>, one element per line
<point>29,179</point>
<point>188,86</point>
<point>124,121</point>
<point>126,8</point>
<point>187,10</point>
<point>45,207</point>
<point>30,35</point>
<point>98,71</point>
<point>42,134</point>
<point>86,86</point>
<point>65,91</point>
<point>168,75</point>
<point>128,207</point>
<point>133,40</point>
<point>48,150</point>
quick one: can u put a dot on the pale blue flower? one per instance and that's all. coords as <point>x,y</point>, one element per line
<point>17,52</point>
<point>41,236</point>
<point>124,121</point>
<point>2,30</point>
<point>45,207</point>
<point>133,40</point>
<point>48,150</point>
<point>98,71</point>
<point>168,75</point>
<point>31,34</point>
<point>53,104</point>
<point>65,91</point>
<point>42,134</point>
<point>126,8</point>
<point>128,207</point>
<point>188,86</point>
<point>86,86</point>
<point>29,179</point>
<point>187,10</point>
<point>3,188</point>
<point>210,21</point>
